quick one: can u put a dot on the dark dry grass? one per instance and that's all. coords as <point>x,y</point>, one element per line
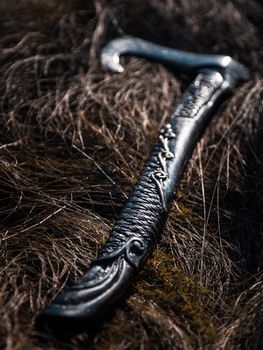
<point>73,140</point>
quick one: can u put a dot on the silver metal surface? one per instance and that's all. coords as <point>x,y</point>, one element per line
<point>110,57</point>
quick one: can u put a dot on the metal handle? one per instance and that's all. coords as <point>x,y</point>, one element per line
<point>143,216</point>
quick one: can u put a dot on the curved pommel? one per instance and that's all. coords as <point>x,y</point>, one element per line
<point>110,58</point>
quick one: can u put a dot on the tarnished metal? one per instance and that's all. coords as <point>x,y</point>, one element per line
<point>143,216</point>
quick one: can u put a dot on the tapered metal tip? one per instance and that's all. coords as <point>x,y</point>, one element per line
<point>110,59</point>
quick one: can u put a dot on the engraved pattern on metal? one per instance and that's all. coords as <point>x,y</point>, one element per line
<point>131,251</point>
<point>198,94</point>
<point>109,265</point>
<point>161,174</point>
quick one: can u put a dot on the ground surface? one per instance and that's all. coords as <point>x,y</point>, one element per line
<point>70,132</point>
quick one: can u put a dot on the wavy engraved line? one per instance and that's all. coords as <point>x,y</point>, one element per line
<point>100,282</point>
<point>134,243</point>
<point>160,175</point>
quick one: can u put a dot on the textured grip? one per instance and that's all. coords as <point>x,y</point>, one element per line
<point>143,216</point>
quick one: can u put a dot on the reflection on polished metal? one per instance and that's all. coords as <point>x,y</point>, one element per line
<point>143,216</point>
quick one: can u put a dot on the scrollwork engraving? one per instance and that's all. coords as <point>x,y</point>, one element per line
<point>132,251</point>
<point>160,175</point>
<point>106,270</point>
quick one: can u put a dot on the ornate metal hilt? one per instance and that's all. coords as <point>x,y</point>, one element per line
<point>143,216</point>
